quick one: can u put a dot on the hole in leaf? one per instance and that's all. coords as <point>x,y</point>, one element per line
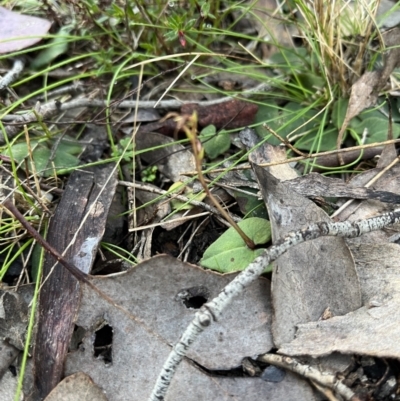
<point>77,338</point>
<point>195,302</point>
<point>194,297</point>
<point>13,370</point>
<point>103,344</point>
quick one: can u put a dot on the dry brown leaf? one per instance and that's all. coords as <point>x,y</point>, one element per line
<point>371,330</point>
<point>367,331</point>
<point>378,267</point>
<point>390,182</point>
<point>315,185</point>
<point>233,114</point>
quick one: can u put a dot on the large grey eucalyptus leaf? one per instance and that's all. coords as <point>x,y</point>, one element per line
<point>311,277</point>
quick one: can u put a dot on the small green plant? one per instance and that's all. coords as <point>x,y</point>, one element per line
<point>46,157</point>
<point>125,148</point>
<point>149,174</point>
<point>214,144</point>
<point>229,253</point>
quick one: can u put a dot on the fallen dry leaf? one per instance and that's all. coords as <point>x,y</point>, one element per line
<point>389,182</point>
<point>18,31</point>
<point>365,92</point>
<point>367,331</point>
<point>371,330</point>
<point>78,386</point>
<point>378,267</point>
<point>158,293</point>
<point>232,114</point>
<point>313,185</point>
<point>313,276</point>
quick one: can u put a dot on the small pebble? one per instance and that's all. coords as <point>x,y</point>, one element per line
<point>273,374</point>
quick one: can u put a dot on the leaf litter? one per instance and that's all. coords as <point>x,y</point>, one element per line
<point>160,292</point>
<point>311,294</point>
<point>372,329</point>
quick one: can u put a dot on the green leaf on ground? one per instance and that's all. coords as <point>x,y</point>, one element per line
<point>250,205</point>
<point>214,144</point>
<point>229,253</point>
<point>61,161</point>
<point>377,128</point>
<point>57,46</point>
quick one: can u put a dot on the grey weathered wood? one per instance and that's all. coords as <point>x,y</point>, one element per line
<point>84,201</point>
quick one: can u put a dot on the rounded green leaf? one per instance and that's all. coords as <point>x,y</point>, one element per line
<point>229,253</point>
<point>214,144</point>
<point>63,159</point>
<point>377,128</point>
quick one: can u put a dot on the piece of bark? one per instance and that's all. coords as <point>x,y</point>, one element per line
<point>348,157</point>
<point>60,293</point>
<point>313,276</point>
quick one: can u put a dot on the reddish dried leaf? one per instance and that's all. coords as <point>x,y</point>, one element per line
<point>19,31</point>
<point>233,114</point>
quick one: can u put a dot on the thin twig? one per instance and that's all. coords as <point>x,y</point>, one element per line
<point>307,371</point>
<point>212,311</point>
<point>284,141</point>
<point>52,108</point>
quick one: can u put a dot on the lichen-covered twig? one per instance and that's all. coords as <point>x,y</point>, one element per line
<point>212,310</point>
<point>13,74</point>
<point>307,371</point>
<point>48,110</point>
